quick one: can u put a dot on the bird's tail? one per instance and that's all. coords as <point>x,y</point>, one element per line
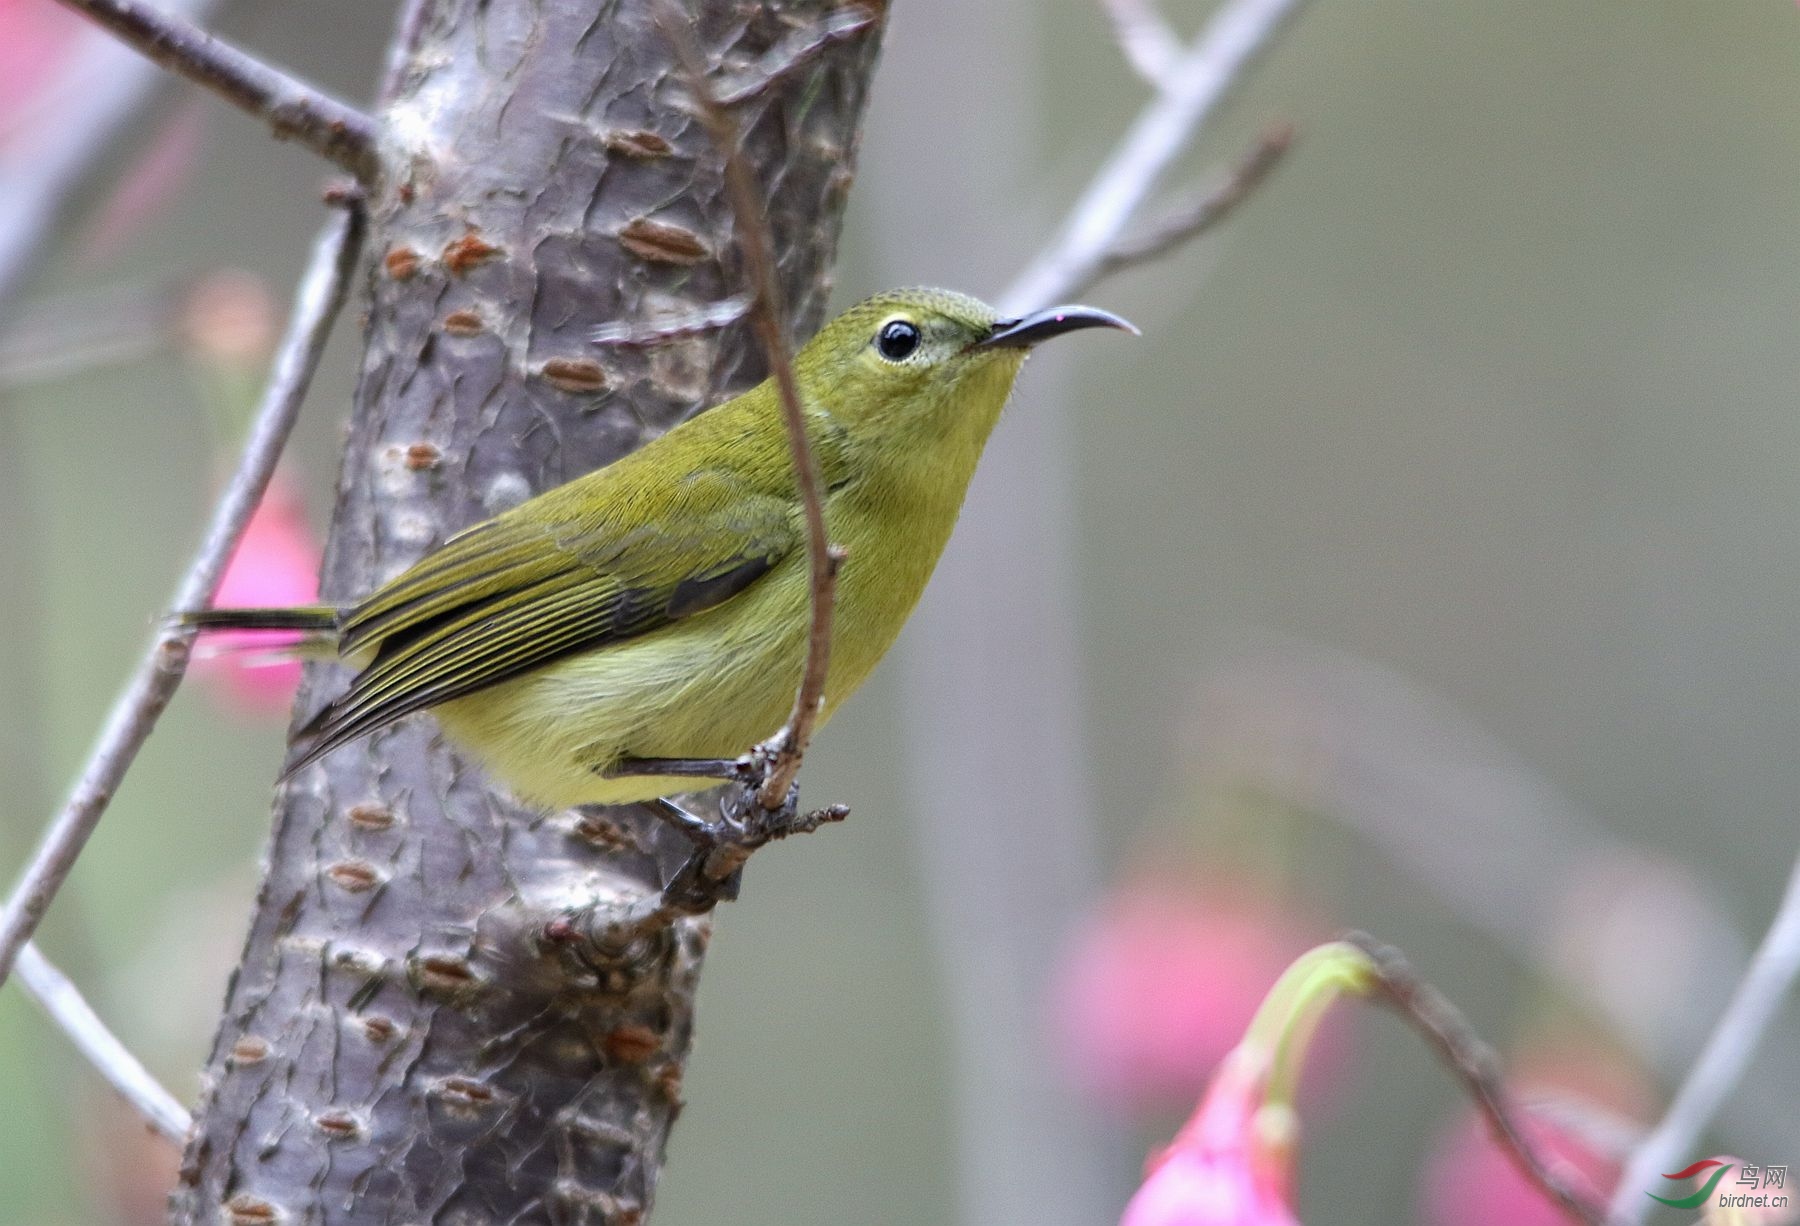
<point>312,619</point>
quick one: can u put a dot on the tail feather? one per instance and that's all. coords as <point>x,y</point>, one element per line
<point>310,619</point>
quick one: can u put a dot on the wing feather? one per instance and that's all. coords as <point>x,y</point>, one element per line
<point>516,593</point>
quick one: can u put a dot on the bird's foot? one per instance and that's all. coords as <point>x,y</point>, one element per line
<point>714,870</point>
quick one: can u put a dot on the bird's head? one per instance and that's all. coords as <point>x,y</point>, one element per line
<point>926,360</point>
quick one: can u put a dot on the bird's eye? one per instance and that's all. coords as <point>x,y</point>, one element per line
<point>897,339</point>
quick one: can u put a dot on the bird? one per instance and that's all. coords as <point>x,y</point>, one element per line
<point>612,638</point>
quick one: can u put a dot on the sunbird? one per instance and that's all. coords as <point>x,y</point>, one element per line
<point>611,639</point>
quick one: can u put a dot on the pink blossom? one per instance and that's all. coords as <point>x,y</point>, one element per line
<point>1160,983</point>
<point>276,563</point>
<point>1230,1165</point>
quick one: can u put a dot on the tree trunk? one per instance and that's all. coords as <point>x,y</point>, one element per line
<point>403,1041</point>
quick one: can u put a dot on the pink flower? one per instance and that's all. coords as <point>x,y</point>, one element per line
<point>1230,1165</point>
<point>276,563</point>
<point>1160,983</point>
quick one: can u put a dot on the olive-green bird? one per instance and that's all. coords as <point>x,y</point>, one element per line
<point>653,614</point>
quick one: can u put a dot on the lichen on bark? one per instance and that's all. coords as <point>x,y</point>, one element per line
<point>404,1041</point>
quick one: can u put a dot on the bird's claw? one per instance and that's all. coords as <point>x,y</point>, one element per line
<point>714,869</point>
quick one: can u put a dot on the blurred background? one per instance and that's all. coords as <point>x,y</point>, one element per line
<point>1428,568</point>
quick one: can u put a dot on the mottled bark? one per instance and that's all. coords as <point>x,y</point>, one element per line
<point>405,1041</point>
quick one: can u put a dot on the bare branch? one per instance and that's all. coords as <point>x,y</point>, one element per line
<point>92,95</point>
<point>1196,84</point>
<point>294,110</point>
<point>1192,218</point>
<point>788,746</point>
<point>316,306</point>
<point>63,1001</point>
<point>1721,1064</point>
<point>1442,1024</point>
<point>1149,44</point>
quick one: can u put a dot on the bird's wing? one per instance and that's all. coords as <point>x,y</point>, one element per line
<point>518,592</point>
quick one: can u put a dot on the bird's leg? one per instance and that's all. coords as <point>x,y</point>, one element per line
<point>731,770</point>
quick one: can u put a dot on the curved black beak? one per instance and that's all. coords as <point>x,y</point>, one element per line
<point>1028,330</point>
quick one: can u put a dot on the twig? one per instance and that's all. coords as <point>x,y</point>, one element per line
<point>1766,983</point>
<point>1443,1026</point>
<point>1196,83</point>
<point>1192,218</point>
<point>95,92</point>
<point>294,110</point>
<point>63,1001</point>
<point>316,306</point>
<point>822,558</point>
<point>1146,39</point>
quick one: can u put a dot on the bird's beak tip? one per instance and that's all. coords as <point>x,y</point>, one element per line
<point>1038,326</point>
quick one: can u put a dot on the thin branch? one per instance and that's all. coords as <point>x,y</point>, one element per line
<point>1721,1064</point>
<point>822,558</point>
<point>1192,218</point>
<point>98,89</point>
<point>63,1001</point>
<point>1196,84</point>
<point>316,306</point>
<point>1147,40</point>
<point>292,109</point>
<point>1442,1024</point>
